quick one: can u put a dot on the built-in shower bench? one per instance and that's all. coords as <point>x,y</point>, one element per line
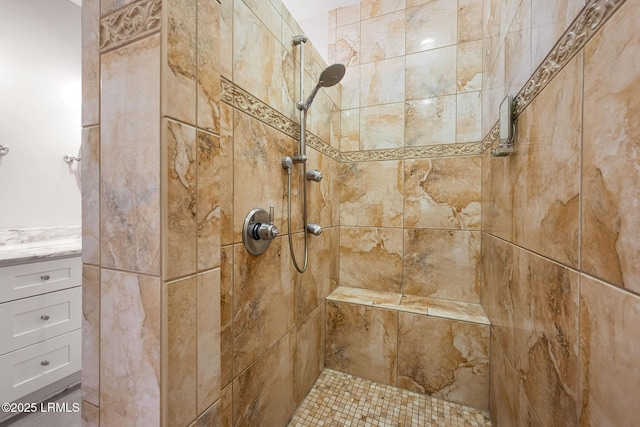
<point>436,307</point>
<point>429,345</point>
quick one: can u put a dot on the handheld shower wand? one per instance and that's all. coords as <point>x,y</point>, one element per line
<point>329,77</point>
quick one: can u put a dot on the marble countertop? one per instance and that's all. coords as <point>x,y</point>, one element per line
<point>19,246</point>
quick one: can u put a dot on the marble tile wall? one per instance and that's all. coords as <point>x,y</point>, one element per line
<point>152,217</point>
<point>558,227</point>
<point>272,317</point>
<point>405,221</point>
<point>427,345</point>
<point>178,171</point>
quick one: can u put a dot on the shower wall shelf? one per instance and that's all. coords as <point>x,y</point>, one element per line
<point>507,122</point>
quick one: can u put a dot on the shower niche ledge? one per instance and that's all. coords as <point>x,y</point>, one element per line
<point>427,345</point>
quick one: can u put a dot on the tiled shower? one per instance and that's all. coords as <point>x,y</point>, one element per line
<point>188,106</point>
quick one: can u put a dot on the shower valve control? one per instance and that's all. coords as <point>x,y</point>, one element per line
<point>258,231</point>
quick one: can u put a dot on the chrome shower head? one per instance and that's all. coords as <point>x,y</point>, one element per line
<point>331,76</point>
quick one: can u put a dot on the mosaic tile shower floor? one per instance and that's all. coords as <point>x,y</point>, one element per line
<point>339,399</point>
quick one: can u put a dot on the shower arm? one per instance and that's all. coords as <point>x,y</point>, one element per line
<point>301,157</point>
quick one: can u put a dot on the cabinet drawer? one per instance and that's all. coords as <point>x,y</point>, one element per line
<point>31,320</point>
<point>25,280</point>
<point>31,368</point>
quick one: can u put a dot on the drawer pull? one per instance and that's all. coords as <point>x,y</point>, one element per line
<point>45,317</point>
<point>45,363</point>
<point>45,277</point>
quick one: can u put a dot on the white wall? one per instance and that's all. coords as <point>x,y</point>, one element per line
<point>40,106</point>
<point>313,17</point>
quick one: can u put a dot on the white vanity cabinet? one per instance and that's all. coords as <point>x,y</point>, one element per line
<point>40,328</point>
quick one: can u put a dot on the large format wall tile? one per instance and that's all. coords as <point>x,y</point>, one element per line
<point>91,334</point>
<point>517,41</point>
<point>90,415</point>
<point>225,173</point>
<point>545,328</point>
<point>350,130</point>
<point>256,53</point>
<point>381,82</point>
<point>497,196</point>
<point>323,197</point>
<point>430,121</point>
<point>373,8</point>
<point>469,20</point>
<point>130,157</point>
<point>263,395</point>
<point>382,37</point>
<point>208,65</point>
<point>259,179</point>
<point>469,117</point>
<point>444,358</point>
<point>431,25</point>
<point>90,62</point>
<point>320,278</point>
<point>508,402</point>
<point>210,170</point>
<point>309,360</point>
<point>226,39</point>
<point>371,194</point>
<point>550,19</point>
<point>431,74</point>
<point>499,277</point>
<point>546,169</point>
<point>226,315</point>
<point>181,353</point>
<point>469,66</point>
<point>371,258</point>
<point>442,193</point>
<point>90,183</point>
<point>264,304</point>
<point>179,238</point>
<point>208,338</point>
<point>442,264</point>
<point>179,60</point>
<point>609,354</point>
<point>129,349</point>
<point>382,126</point>
<point>348,45</point>
<point>611,177</point>
<point>362,341</point>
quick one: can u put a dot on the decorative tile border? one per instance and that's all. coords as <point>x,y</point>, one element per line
<point>134,22</point>
<point>318,144</point>
<point>244,101</point>
<point>589,21</point>
<point>249,104</point>
<point>492,136</point>
<point>422,152</point>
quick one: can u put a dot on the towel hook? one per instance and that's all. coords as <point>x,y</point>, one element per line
<point>70,159</point>
<point>3,149</point>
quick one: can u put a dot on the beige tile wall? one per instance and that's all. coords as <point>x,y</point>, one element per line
<point>414,79</point>
<point>152,216</point>
<point>175,171</point>
<point>558,228</point>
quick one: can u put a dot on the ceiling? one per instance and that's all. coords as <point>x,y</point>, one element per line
<point>303,9</point>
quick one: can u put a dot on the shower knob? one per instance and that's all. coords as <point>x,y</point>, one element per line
<point>258,231</point>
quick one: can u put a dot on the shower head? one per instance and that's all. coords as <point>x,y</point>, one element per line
<point>331,76</point>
